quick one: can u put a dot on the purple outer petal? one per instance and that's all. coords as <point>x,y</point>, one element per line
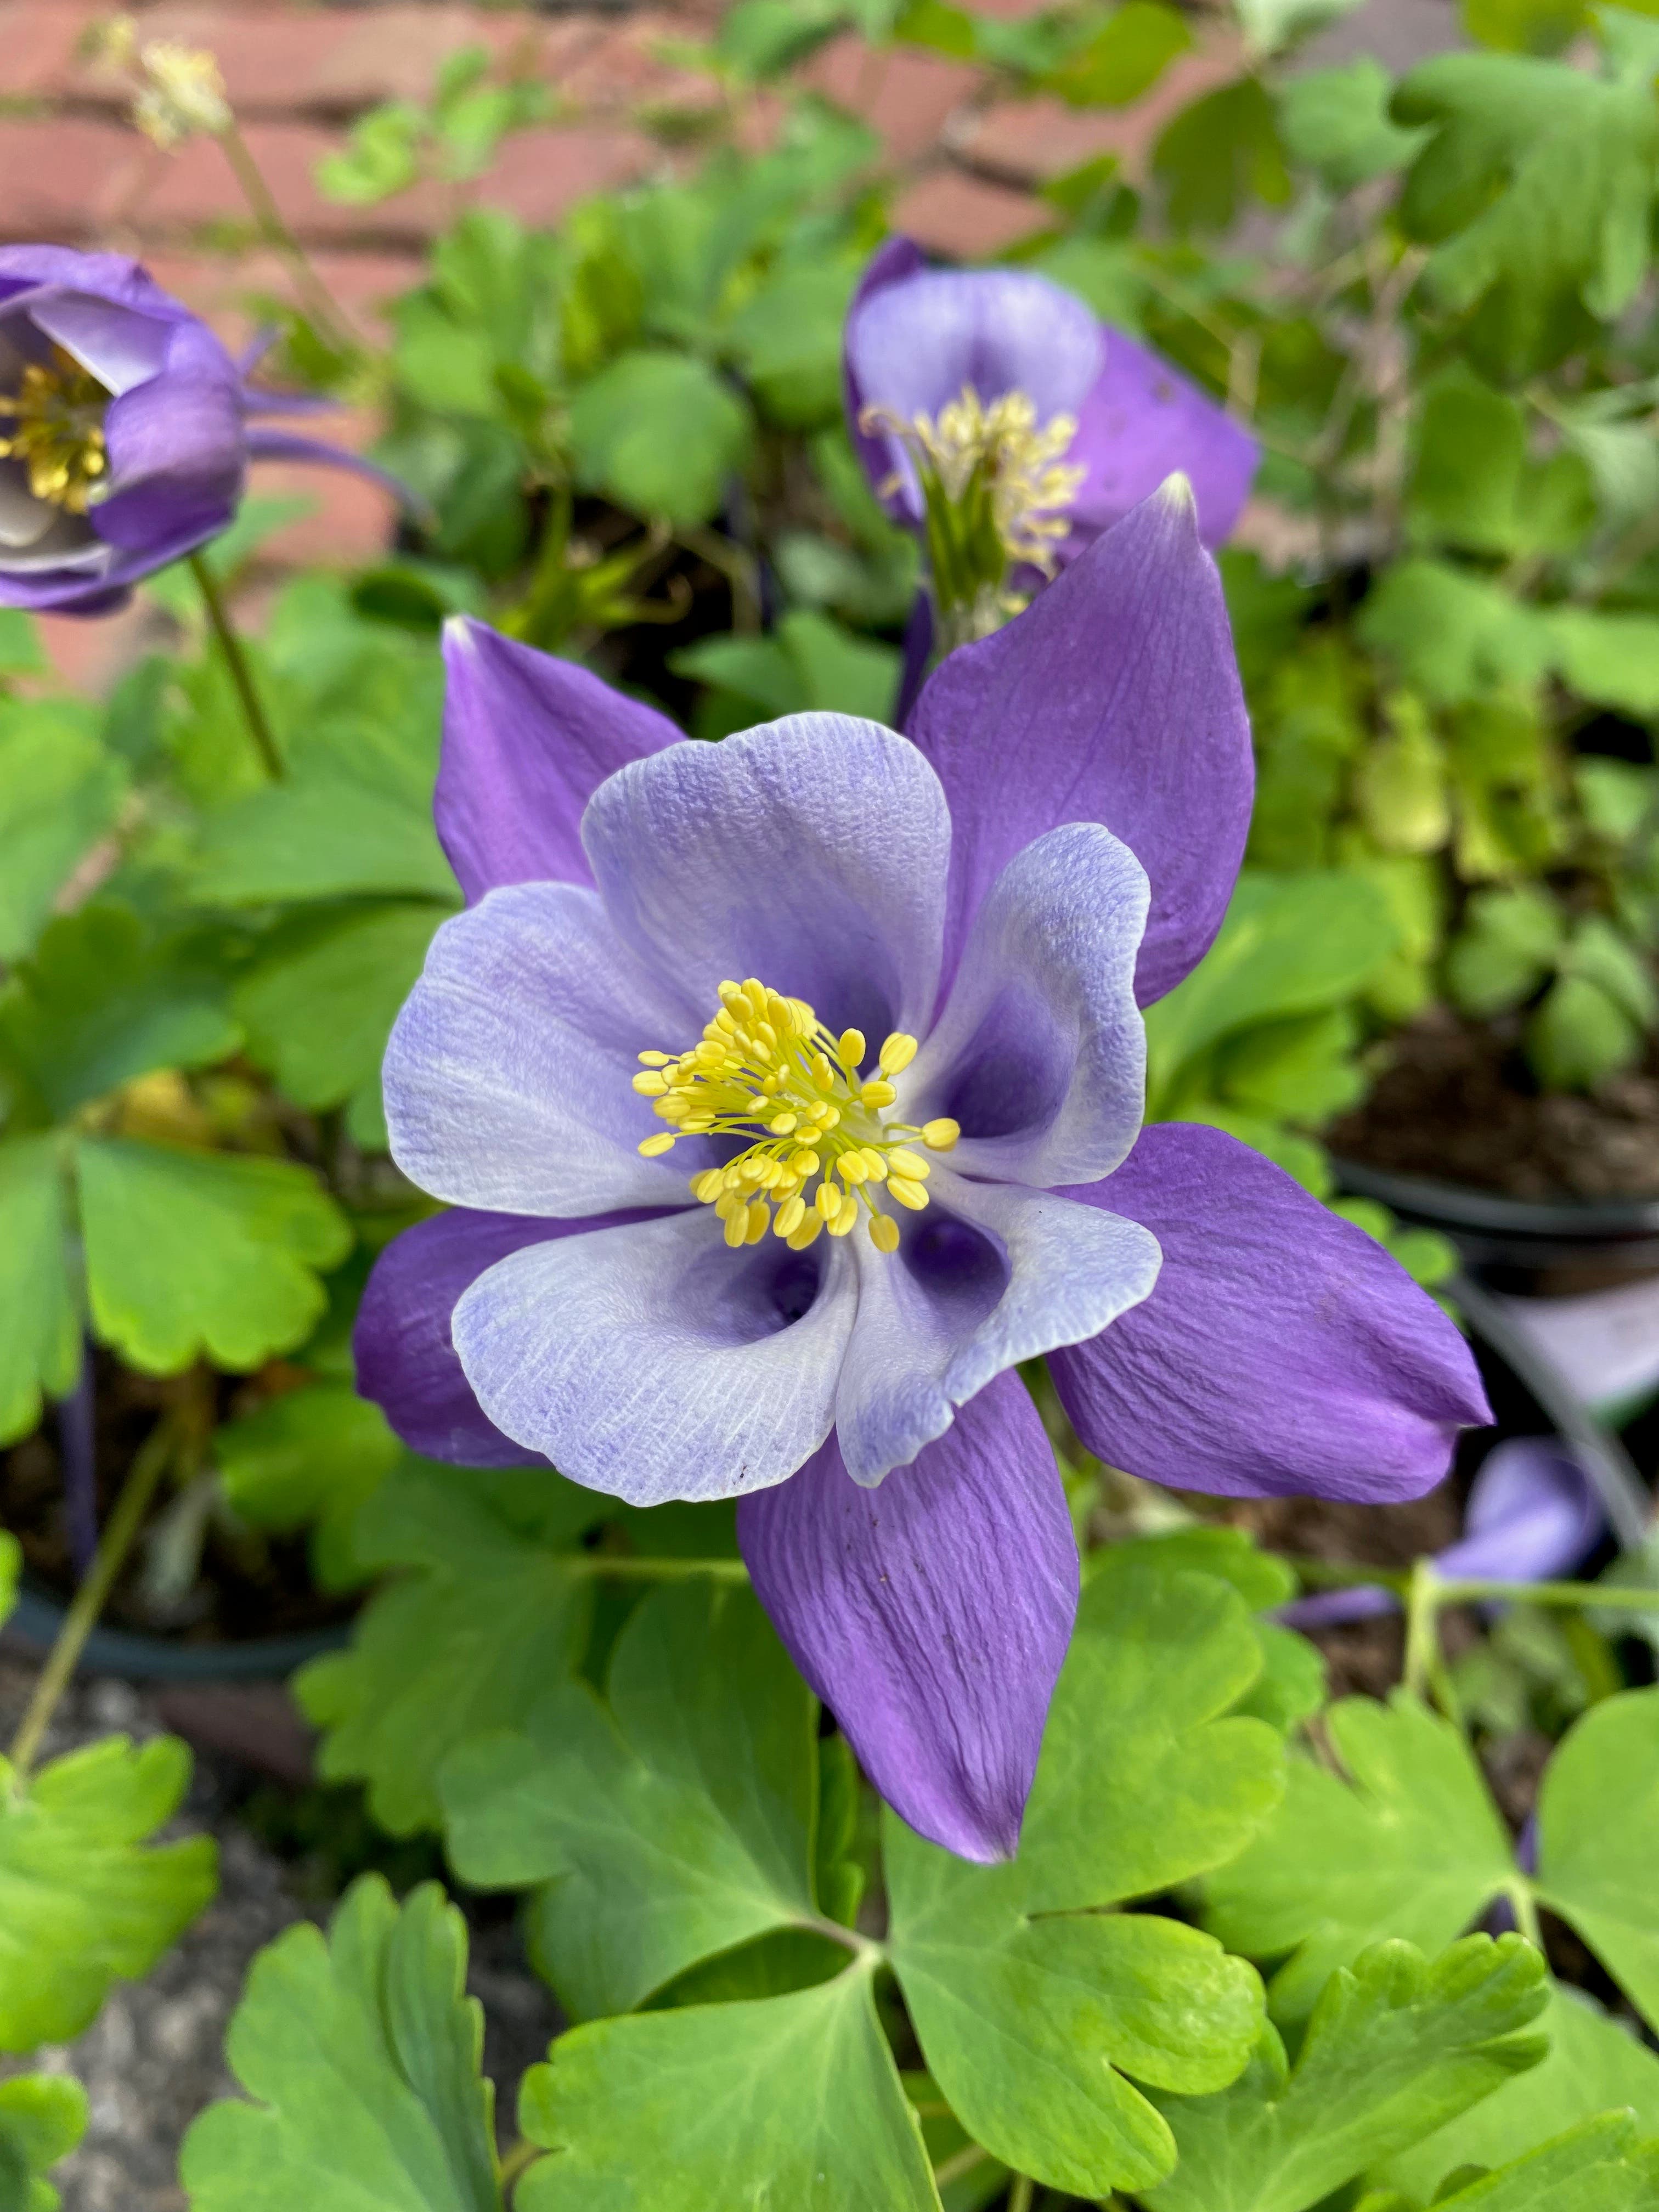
<point>1141,422</point>
<point>405,1361</point>
<point>930,1615</point>
<point>1114,698</point>
<point>1281,1351</point>
<point>1532,1515</point>
<point>527,741</point>
<point>263,445</point>
<point>890,265</point>
<point>915,336</point>
<point>175,447</point>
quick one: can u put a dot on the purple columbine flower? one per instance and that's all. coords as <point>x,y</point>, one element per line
<point>124,429</point>
<point>822,959</point>
<point>1532,1514</point>
<point>1085,422</point>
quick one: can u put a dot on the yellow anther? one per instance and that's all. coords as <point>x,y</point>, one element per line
<point>652,1148</point>
<point>939,1136</point>
<point>812,1147</point>
<point>884,1232</point>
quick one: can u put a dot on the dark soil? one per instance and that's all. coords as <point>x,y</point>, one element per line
<point>1456,1102</point>
<point>248,1584</point>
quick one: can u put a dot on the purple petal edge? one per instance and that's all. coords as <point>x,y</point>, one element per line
<point>931,1615</point>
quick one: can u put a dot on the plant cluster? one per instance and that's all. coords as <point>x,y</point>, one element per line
<point>993,1840</point>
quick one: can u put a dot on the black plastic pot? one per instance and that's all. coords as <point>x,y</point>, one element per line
<point>36,1618</point>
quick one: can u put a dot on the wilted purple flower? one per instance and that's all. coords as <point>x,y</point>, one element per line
<point>993,899</point>
<point>1092,423</point>
<point>1532,1514</point>
<point>124,429</point>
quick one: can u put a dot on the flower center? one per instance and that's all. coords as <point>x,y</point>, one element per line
<point>820,1152</point>
<point>57,431</point>
<point>995,465</point>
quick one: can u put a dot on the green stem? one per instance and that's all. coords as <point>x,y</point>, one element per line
<point>1519,1894</point>
<point>1613,1598</point>
<point>1327,1574</point>
<point>654,1570</point>
<point>241,675</point>
<point>150,1463</point>
<point>522,2155</point>
<point>1424,1595</point>
<point>958,2164</point>
<point>314,295</point>
<point>1020,2196</point>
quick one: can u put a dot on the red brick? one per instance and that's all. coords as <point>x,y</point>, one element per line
<point>222,287</point>
<point>965,217</point>
<point>905,93</point>
<point>539,174</point>
<point>66,179</point>
<point>41,37</point>
<point>626,69</point>
<point>1029,141</point>
<point>195,187</point>
<point>91,653</point>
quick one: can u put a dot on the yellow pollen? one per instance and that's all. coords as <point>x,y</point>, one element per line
<point>57,414</point>
<point>768,1072</point>
<point>1018,462</point>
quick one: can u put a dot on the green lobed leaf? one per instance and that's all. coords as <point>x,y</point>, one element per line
<point>60,789</point>
<point>466,1641</point>
<point>1414,1848</point>
<point>661,435</point>
<point>1032,2003</point>
<point>42,2118</point>
<point>1291,945</point>
<point>1534,191</point>
<point>192,1253</point>
<point>1454,635</point>
<point>1396,2047</point>
<point>318,1003</point>
<point>40,1326</point>
<point>1598,2168</point>
<point>1592,2064</point>
<point>1217,155</point>
<point>362,2051</point>
<point>793,2100</point>
<point>82,1902</point>
<point>308,1458</point>
<point>671,1821</point>
<point>786,338</point>
<point>1598,1814</point>
<point>1335,122</point>
<point>104,1000</point>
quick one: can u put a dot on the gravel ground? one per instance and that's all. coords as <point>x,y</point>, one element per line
<point>154,2054</point>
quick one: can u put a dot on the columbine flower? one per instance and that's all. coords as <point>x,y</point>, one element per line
<point>124,430</point>
<point>1532,1514</point>
<point>971,919</point>
<point>994,413</point>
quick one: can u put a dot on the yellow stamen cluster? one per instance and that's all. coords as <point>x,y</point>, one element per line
<point>820,1157</point>
<point>177,91</point>
<point>57,434</point>
<point>1018,463</point>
